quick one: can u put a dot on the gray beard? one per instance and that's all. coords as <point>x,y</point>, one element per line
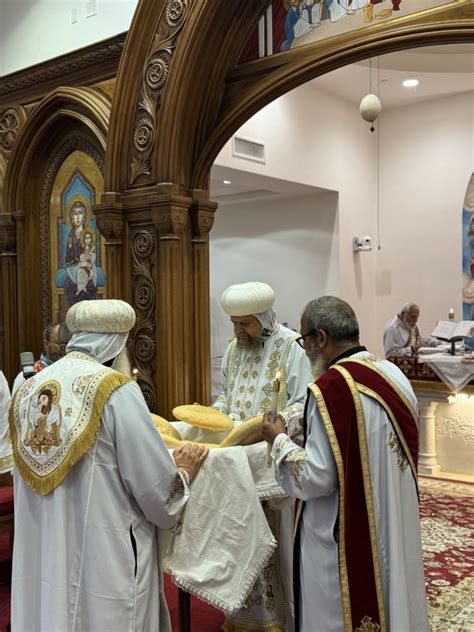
<point>122,363</point>
<point>317,363</point>
<point>249,345</point>
<point>317,368</point>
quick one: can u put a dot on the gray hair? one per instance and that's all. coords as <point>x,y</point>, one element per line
<point>335,317</point>
<point>64,334</point>
<point>408,308</point>
<point>48,330</point>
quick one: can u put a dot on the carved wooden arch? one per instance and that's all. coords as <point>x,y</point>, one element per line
<point>66,120</point>
<point>179,96</point>
<point>63,111</point>
<point>201,97</point>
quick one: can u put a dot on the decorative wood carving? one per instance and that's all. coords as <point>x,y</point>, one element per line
<point>11,121</point>
<point>170,216</point>
<point>143,337</point>
<point>201,214</point>
<point>86,66</point>
<point>155,76</point>
<point>110,224</point>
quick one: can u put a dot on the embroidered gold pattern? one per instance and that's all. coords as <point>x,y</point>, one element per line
<point>367,625</point>
<point>396,448</point>
<point>295,462</point>
<point>274,362</point>
<point>80,384</point>
<point>281,446</point>
<point>177,489</point>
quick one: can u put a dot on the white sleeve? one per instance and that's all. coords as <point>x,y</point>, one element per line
<point>147,469</point>
<point>310,472</point>
<point>5,444</point>
<point>394,345</point>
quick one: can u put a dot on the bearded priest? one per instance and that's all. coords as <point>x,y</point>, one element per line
<point>261,352</point>
<point>358,558</point>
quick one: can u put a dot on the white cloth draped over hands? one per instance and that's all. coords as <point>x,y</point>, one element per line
<point>225,540</point>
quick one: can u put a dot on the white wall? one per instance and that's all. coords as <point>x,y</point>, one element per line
<point>290,244</point>
<point>316,139</point>
<point>426,158</point>
<point>32,31</point>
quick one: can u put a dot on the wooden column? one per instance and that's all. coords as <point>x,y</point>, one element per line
<point>202,218</point>
<point>110,224</point>
<point>174,313</point>
<point>8,259</point>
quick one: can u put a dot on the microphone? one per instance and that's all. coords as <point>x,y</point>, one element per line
<point>27,364</point>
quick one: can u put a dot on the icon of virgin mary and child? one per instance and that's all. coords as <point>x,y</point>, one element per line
<point>80,275</point>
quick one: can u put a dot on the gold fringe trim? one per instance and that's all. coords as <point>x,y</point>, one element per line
<point>43,485</point>
<point>271,626</point>
<point>6,463</point>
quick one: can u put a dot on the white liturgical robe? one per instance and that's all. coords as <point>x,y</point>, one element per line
<point>248,376</point>
<point>310,474</point>
<point>86,554</point>
<point>396,339</point>
<point>6,455</point>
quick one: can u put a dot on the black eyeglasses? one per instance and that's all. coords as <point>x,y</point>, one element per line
<point>300,340</point>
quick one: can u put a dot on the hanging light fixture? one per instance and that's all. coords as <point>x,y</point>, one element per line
<point>370,106</point>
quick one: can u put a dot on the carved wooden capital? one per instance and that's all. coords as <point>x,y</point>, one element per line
<point>7,233</point>
<point>201,215</point>
<point>109,222</point>
<point>170,216</point>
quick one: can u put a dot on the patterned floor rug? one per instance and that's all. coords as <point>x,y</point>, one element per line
<point>447,525</point>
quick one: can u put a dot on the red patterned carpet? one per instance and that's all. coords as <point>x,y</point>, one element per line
<point>447,513</point>
<point>447,522</point>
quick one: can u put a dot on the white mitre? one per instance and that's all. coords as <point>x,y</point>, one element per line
<point>106,316</point>
<point>244,299</point>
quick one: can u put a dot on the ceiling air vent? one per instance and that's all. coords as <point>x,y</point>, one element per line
<point>248,149</point>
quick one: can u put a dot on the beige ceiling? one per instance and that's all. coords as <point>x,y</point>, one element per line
<point>441,70</point>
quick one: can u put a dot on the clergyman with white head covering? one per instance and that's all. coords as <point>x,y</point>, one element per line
<point>93,481</point>
<point>261,349</point>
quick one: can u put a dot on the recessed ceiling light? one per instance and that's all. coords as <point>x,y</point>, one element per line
<point>226,182</point>
<point>411,83</point>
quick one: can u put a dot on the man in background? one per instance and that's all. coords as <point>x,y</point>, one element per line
<point>401,336</point>
<point>55,339</point>
<point>358,556</point>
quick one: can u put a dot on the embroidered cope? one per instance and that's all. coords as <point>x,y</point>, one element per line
<point>86,551</point>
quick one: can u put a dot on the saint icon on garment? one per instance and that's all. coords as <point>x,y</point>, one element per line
<point>44,420</point>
